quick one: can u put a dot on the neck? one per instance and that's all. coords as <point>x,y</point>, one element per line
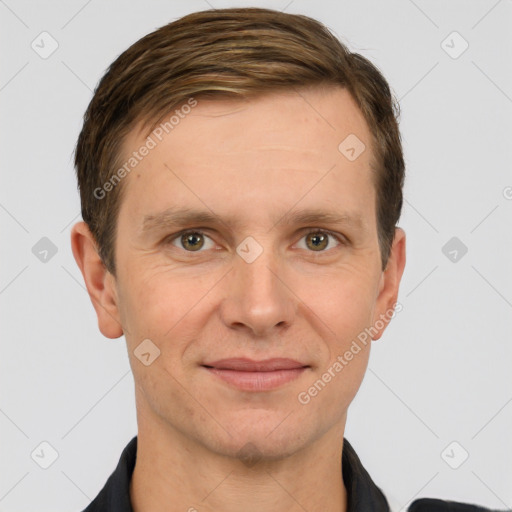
<point>176,473</point>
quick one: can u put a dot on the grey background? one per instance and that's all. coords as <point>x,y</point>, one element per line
<point>441,373</point>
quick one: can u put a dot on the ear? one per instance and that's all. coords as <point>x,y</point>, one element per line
<point>99,281</point>
<point>389,285</point>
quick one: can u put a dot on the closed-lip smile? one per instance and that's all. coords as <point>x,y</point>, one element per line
<point>250,375</point>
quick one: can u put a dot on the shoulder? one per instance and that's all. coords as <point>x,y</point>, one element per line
<point>437,505</point>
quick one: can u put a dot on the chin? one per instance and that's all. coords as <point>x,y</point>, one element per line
<point>257,448</point>
<point>261,436</point>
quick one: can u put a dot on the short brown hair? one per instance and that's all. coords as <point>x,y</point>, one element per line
<point>239,53</point>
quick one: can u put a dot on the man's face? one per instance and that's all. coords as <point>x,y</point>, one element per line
<point>316,285</point>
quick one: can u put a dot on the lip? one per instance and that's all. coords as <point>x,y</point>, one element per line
<point>249,375</point>
<point>244,364</point>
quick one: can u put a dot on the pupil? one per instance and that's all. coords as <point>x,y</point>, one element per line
<point>191,241</point>
<point>318,240</point>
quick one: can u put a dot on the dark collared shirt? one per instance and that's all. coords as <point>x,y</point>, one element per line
<point>362,493</point>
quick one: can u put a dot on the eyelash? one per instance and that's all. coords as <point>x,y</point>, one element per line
<point>339,238</point>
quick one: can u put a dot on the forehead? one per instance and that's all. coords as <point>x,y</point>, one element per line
<point>307,120</point>
<point>276,147</point>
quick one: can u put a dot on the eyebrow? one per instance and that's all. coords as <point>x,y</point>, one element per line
<point>175,216</point>
<point>321,216</point>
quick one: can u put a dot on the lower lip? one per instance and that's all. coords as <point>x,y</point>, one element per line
<point>257,381</point>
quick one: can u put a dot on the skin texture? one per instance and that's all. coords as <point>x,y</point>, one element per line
<point>252,162</point>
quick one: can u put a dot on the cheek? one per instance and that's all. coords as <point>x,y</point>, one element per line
<point>344,301</point>
<point>345,309</point>
<point>160,305</point>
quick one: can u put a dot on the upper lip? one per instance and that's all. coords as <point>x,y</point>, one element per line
<point>249,365</point>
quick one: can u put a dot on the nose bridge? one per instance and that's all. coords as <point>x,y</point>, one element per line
<point>260,278</point>
<point>257,296</point>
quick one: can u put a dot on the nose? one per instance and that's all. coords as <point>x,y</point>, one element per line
<point>258,298</point>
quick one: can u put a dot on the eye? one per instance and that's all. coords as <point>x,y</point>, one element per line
<point>318,240</point>
<point>192,241</point>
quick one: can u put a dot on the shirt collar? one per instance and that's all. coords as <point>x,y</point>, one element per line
<point>362,493</point>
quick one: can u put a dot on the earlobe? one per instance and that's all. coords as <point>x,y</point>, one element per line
<point>389,284</point>
<point>99,281</point>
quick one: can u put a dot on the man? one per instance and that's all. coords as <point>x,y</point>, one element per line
<point>241,176</point>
